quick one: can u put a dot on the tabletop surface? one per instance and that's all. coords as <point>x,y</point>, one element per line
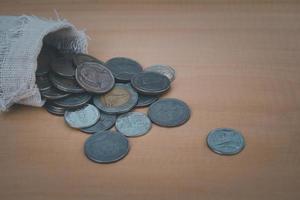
<point>237,66</point>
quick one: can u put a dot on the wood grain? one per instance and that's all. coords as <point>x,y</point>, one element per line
<point>237,66</point>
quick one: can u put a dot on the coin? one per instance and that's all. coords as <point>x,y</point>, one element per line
<point>82,117</point>
<point>225,141</point>
<point>169,112</point>
<point>94,77</point>
<point>166,70</point>
<point>66,85</point>
<point>53,109</point>
<point>52,93</point>
<point>105,122</point>
<point>123,69</point>
<point>63,66</point>
<point>73,100</point>
<point>150,83</point>
<point>82,58</point>
<point>43,82</point>
<point>146,100</point>
<point>106,147</point>
<point>133,124</point>
<point>120,99</point>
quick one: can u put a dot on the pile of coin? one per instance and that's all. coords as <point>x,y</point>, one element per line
<point>94,96</point>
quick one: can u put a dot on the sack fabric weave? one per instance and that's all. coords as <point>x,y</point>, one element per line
<point>21,39</point>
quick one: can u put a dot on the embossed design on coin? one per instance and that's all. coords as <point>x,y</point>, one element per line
<point>146,100</point>
<point>120,99</point>
<point>81,58</point>
<point>105,122</point>
<point>73,100</point>
<point>106,147</point>
<point>225,141</point>
<point>169,112</point>
<point>52,93</point>
<point>123,69</point>
<point>94,77</point>
<point>133,124</point>
<point>66,85</point>
<point>150,83</point>
<point>166,70</point>
<point>82,117</point>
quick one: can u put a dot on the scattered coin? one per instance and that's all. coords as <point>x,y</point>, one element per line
<point>146,100</point>
<point>123,69</point>
<point>166,70</point>
<point>53,109</point>
<point>105,122</point>
<point>225,141</point>
<point>106,147</point>
<point>169,112</point>
<point>150,83</point>
<point>133,124</point>
<point>82,117</point>
<point>73,100</point>
<point>120,99</point>
<point>66,85</point>
<point>63,66</point>
<point>52,93</point>
<point>94,77</point>
<point>43,82</point>
<point>82,58</point>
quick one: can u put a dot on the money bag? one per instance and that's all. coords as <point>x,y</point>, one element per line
<point>21,40</point>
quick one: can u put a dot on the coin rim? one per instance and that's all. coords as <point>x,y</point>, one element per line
<point>153,99</point>
<point>223,153</point>
<point>73,106</point>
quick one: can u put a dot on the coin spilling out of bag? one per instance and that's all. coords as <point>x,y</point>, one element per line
<point>93,96</point>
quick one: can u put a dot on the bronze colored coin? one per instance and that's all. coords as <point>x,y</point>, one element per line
<point>94,77</point>
<point>120,99</point>
<point>81,58</point>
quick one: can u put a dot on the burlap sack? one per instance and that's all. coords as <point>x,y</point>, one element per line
<point>21,39</point>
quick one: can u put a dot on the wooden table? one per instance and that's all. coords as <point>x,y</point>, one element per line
<point>237,66</point>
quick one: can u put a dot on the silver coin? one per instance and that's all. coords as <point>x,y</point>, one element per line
<point>52,94</point>
<point>120,99</point>
<point>63,66</point>
<point>169,112</point>
<point>43,82</point>
<point>82,117</point>
<point>166,70</point>
<point>133,124</point>
<point>106,147</point>
<point>225,141</point>
<point>105,122</point>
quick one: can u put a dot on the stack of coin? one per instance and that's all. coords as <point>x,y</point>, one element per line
<point>93,96</point>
